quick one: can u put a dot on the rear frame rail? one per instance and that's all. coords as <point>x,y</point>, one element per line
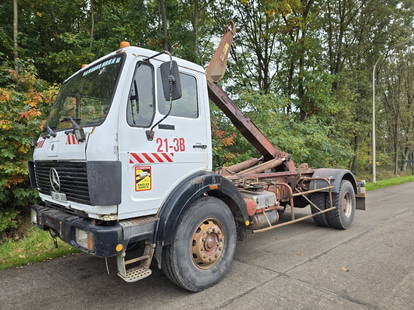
<point>303,194</point>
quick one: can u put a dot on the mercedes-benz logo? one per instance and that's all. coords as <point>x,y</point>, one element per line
<point>54,179</point>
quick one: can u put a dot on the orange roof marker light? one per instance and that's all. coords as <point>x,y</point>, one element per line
<point>84,65</point>
<point>124,44</point>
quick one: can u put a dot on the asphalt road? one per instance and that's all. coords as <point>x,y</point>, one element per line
<point>302,266</point>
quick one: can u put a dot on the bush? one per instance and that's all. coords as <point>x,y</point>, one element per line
<point>7,220</point>
<point>316,140</point>
<point>24,104</point>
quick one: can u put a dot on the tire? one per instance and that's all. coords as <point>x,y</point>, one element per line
<point>321,201</point>
<point>345,203</point>
<point>186,261</point>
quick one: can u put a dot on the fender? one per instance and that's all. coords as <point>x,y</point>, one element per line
<point>336,176</point>
<point>189,190</point>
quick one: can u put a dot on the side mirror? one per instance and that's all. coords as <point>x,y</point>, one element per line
<point>171,82</point>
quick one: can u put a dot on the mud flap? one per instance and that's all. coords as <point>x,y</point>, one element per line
<point>360,201</point>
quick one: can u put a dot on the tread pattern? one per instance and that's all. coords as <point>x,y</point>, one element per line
<point>321,200</point>
<point>334,217</point>
<point>167,267</point>
<point>170,262</point>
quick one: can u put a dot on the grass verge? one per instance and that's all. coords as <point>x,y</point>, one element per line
<point>36,246</point>
<point>389,182</point>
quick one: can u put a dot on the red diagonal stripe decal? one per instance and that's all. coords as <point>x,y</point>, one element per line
<point>73,139</point>
<point>157,157</point>
<point>130,161</point>
<point>147,157</point>
<point>167,157</point>
<point>68,142</point>
<point>137,158</point>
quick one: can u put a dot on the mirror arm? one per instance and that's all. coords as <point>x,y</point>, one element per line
<point>158,54</point>
<point>171,81</point>
<point>150,133</point>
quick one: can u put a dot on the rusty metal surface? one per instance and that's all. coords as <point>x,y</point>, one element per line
<point>239,167</point>
<point>312,191</point>
<point>263,166</point>
<point>273,175</point>
<point>288,182</point>
<point>264,219</point>
<point>207,244</point>
<point>290,197</point>
<point>218,64</point>
<point>246,127</point>
<point>292,221</point>
<point>214,73</point>
<point>250,206</point>
<point>278,182</point>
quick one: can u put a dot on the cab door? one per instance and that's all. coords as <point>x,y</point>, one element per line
<point>180,146</point>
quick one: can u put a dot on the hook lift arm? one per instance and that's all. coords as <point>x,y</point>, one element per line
<point>214,73</point>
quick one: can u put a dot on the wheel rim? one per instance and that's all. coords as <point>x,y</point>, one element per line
<point>207,244</point>
<point>347,204</point>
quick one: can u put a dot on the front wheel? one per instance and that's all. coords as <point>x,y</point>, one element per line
<point>203,246</point>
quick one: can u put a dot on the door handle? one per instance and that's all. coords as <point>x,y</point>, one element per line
<point>199,146</point>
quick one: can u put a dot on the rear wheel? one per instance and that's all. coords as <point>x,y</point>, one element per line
<point>203,246</point>
<point>344,202</point>
<point>321,201</point>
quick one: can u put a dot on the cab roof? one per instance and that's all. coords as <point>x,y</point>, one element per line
<point>145,53</point>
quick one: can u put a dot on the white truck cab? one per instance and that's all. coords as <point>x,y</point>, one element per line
<point>126,151</point>
<point>116,99</point>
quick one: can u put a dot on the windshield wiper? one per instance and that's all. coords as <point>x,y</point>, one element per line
<point>49,133</point>
<point>72,120</point>
<point>77,130</point>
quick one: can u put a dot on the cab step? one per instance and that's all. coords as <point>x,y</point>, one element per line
<point>135,274</point>
<point>141,271</point>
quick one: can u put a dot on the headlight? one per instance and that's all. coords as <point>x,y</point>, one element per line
<point>33,216</point>
<point>84,239</point>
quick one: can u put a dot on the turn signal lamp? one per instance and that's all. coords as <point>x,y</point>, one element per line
<point>119,247</point>
<point>124,44</point>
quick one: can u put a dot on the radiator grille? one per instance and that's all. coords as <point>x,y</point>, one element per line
<point>72,175</point>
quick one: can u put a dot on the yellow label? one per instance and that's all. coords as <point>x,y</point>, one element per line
<point>143,178</point>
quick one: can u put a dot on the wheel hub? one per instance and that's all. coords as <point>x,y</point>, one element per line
<point>347,204</point>
<point>207,244</point>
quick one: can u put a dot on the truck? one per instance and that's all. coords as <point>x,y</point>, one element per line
<point>124,170</point>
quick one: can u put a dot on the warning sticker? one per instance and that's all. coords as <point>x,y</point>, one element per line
<point>143,178</point>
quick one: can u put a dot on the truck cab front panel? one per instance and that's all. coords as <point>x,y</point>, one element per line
<point>149,168</point>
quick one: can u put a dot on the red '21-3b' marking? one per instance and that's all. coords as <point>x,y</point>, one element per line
<point>177,145</point>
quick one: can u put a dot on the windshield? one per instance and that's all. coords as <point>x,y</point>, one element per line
<point>87,96</point>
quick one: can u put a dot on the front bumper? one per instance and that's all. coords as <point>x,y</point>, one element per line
<point>105,238</point>
<point>64,225</point>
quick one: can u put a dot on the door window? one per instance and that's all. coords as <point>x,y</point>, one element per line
<point>187,105</point>
<point>141,107</point>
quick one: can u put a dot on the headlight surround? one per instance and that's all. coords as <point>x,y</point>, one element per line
<point>84,239</point>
